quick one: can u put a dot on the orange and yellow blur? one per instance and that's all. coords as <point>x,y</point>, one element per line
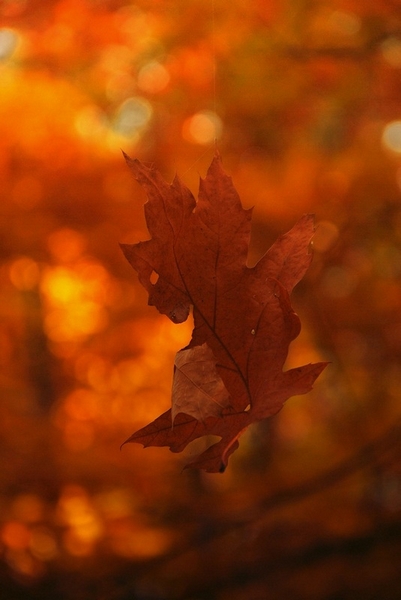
<point>303,100</point>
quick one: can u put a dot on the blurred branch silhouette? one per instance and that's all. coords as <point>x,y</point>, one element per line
<point>370,455</point>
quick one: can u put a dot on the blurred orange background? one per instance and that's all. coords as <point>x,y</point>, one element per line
<point>304,99</point>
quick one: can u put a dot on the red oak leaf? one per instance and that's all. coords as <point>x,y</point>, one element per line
<point>231,374</point>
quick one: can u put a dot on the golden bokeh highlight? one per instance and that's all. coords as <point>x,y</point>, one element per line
<point>203,128</point>
<point>76,298</point>
<point>43,544</point>
<point>15,535</point>
<point>153,78</point>
<point>83,526</point>
<point>391,51</point>
<point>24,273</point>
<point>66,245</point>
<point>391,137</point>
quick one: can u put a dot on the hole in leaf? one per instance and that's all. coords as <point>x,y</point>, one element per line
<point>248,408</point>
<point>154,277</point>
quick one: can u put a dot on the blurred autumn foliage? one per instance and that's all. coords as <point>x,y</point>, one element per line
<point>304,98</point>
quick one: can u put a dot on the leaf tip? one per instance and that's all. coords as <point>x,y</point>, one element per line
<point>216,161</point>
<point>126,442</point>
<point>127,158</point>
<point>308,220</point>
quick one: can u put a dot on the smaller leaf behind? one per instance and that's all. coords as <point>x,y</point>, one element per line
<point>198,389</point>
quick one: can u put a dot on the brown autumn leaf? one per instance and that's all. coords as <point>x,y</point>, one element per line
<point>198,389</point>
<point>242,315</point>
